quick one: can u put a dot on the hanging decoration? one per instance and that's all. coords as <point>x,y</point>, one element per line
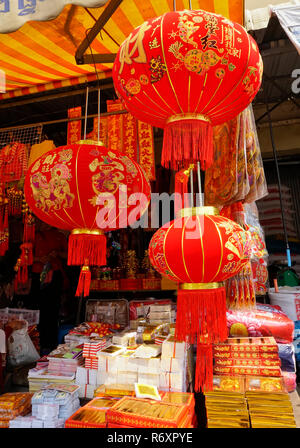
<point>200,250</point>
<point>26,257</point>
<point>82,188</point>
<point>185,72</point>
<point>4,229</point>
<point>74,126</point>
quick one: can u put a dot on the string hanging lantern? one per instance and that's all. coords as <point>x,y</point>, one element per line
<point>185,72</point>
<point>200,250</point>
<point>85,188</point>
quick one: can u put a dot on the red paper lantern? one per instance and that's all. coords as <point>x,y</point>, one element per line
<point>200,250</point>
<point>69,188</point>
<point>187,71</point>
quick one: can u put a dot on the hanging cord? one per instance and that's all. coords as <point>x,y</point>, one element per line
<point>288,252</point>
<point>174,5</point>
<point>98,81</point>
<point>86,110</point>
<point>190,4</point>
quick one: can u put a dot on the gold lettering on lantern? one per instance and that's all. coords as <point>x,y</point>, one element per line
<point>126,55</point>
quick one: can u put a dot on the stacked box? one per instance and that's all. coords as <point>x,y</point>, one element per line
<point>173,376</point>
<point>247,356</point>
<point>86,379</point>
<point>92,415</point>
<point>51,407</point>
<point>268,403</point>
<point>138,413</point>
<point>13,405</point>
<point>226,406</point>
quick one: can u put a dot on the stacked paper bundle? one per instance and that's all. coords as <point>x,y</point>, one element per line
<point>90,350</point>
<point>269,404</point>
<point>92,415</point>
<point>86,379</point>
<point>247,356</point>
<point>13,405</point>
<point>139,310</point>
<point>173,367</point>
<point>226,405</point>
<point>160,314</point>
<point>60,368</point>
<point>130,412</point>
<point>64,360</point>
<point>185,398</point>
<point>51,407</point>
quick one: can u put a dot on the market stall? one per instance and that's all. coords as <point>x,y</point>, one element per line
<point>166,316</point>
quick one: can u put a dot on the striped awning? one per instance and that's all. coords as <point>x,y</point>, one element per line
<point>40,56</point>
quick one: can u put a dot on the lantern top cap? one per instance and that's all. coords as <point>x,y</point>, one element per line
<point>90,142</point>
<point>197,211</point>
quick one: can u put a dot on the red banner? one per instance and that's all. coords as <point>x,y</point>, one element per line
<point>74,127</point>
<point>146,149</point>
<point>130,136</point>
<point>115,126</point>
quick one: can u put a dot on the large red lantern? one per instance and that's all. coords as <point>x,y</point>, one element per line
<point>187,71</point>
<point>200,250</point>
<point>86,189</point>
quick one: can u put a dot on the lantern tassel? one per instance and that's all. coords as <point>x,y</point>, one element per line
<point>187,141</point>
<point>84,282</point>
<point>201,320</point>
<point>201,312</point>
<point>204,367</point>
<point>90,247</point>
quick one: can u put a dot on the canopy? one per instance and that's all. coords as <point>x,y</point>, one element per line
<point>40,55</point>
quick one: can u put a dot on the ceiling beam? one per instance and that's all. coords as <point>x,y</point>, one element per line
<point>95,30</point>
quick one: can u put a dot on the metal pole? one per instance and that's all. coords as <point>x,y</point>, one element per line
<point>98,115</point>
<point>199,183</point>
<point>86,110</point>
<point>192,188</point>
<point>174,5</point>
<point>190,4</point>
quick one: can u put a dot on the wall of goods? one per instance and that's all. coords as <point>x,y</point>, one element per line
<point>195,323</point>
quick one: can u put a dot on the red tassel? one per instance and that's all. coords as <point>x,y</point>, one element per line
<point>186,142</point>
<point>204,367</point>
<point>88,247</point>
<point>29,229</point>
<point>201,314</point>
<point>201,319</point>
<point>84,282</point>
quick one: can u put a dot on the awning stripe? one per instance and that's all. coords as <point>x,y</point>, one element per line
<point>41,55</point>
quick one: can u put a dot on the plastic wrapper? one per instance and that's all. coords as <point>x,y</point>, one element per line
<point>221,177</point>
<point>255,170</point>
<point>266,320</point>
<point>21,350</point>
<point>243,186</point>
<point>287,356</point>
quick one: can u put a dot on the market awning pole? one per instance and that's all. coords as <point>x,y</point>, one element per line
<point>288,252</point>
<point>86,110</point>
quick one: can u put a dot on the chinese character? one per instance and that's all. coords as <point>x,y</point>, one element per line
<point>27,7</point>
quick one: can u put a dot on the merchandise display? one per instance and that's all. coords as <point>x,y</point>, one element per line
<point>149,225</point>
<point>51,407</point>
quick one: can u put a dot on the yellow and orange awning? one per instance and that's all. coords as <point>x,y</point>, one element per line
<point>41,55</point>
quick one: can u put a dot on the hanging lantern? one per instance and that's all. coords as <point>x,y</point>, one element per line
<point>85,188</point>
<point>185,72</point>
<point>200,250</point>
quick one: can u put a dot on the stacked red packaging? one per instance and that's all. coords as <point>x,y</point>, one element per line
<point>247,356</point>
<point>90,350</point>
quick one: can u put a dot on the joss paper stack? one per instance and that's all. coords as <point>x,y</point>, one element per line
<point>13,405</point>
<point>226,406</point>
<point>92,415</point>
<point>173,376</point>
<point>247,356</point>
<point>269,404</point>
<point>130,412</point>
